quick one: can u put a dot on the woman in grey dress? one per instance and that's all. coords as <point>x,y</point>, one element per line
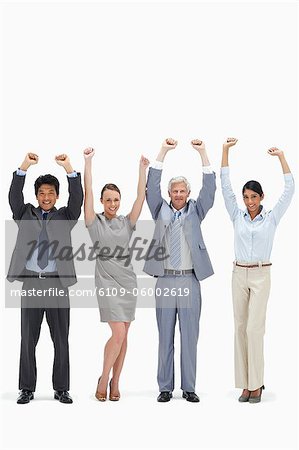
<point>114,276</point>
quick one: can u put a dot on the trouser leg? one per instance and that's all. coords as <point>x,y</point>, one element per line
<point>259,284</point>
<point>189,314</point>
<point>166,320</point>
<point>31,320</point>
<point>58,320</point>
<point>240,294</point>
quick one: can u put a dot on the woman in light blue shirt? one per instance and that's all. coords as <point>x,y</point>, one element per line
<point>254,233</point>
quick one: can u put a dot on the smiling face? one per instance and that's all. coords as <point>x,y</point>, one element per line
<point>179,195</point>
<point>46,197</point>
<point>252,202</point>
<point>111,203</point>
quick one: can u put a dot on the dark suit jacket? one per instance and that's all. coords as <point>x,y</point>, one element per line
<point>162,214</point>
<point>59,225</point>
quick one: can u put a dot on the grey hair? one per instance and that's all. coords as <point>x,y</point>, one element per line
<point>179,180</point>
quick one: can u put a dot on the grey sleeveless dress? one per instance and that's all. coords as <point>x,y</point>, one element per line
<point>114,277</point>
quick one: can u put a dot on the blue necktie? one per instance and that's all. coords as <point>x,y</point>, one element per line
<point>43,245</point>
<point>175,241</point>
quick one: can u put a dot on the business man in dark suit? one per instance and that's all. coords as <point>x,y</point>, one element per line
<point>179,273</point>
<point>43,260</point>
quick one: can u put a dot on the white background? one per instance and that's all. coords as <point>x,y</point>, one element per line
<point>121,77</point>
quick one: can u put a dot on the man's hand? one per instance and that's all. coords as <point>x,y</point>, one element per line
<point>64,161</point>
<point>88,153</point>
<point>30,160</point>
<point>169,144</point>
<point>144,163</point>
<point>274,151</point>
<point>198,145</point>
<point>229,142</point>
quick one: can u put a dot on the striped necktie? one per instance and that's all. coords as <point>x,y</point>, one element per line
<point>175,240</point>
<point>43,245</point>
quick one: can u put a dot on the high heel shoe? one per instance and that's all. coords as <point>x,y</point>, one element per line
<point>113,398</point>
<point>258,398</point>
<point>101,396</point>
<point>244,398</point>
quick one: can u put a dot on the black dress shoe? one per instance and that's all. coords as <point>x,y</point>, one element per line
<point>164,396</point>
<point>25,396</point>
<point>63,396</point>
<point>190,397</point>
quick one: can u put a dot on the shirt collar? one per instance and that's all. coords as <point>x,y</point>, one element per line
<point>48,212</point>
<point>183,210</point>
<point>261,214</point>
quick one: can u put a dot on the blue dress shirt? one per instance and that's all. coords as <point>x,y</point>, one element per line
<point>254,238</point>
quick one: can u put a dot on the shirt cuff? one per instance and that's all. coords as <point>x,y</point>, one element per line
<point>288,176</point>
<point>21,172</point>
<point>157,165</point>
<point>224,170</point>
<point>207,169</point>
<point>72,174</point>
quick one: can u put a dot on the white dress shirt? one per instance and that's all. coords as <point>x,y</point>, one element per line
<point>186,259</point>
<point>254,238</point>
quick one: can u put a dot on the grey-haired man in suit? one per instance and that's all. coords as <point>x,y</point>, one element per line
<point>179,273</point>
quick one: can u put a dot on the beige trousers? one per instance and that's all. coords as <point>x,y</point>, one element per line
<point>250,291</point>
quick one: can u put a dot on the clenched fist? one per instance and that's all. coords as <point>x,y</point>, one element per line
<point>274,151</point>
<point>144,162</point>
<point>169,144</point>
<point>64,161</point>
<point>88,153</point>
<point>198,145</point>
<point>230,142</point>
<point>30,159</point>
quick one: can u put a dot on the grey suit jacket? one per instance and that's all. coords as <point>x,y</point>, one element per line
<point>60,223</point>
<point>162,213</point>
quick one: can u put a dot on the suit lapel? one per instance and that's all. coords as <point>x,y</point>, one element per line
<point>51,213</point>
<point>165,218</point>
<point>38,212</point>
<point>187,223</point>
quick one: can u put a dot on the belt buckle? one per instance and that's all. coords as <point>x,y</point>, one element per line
<point>40,275</point>
<point>178,272</point>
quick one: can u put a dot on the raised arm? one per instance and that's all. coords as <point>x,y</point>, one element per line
<point>15,196</point>
<point>168,144</point>
<point>274,151</point>
<point>205,199</point>
<point>89,214</point>
<point>228,194</point>
<point>200,147</point>
<point>225,150</point>
<point>75,200</point>
<point>64,161</point>
<point>153,193</point>
<point>289,187</point>
<point>137,206</point>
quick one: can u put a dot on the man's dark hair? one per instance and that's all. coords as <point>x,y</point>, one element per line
<point>110,187</point>
<point>46,179</point>
<point>253,186</point>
